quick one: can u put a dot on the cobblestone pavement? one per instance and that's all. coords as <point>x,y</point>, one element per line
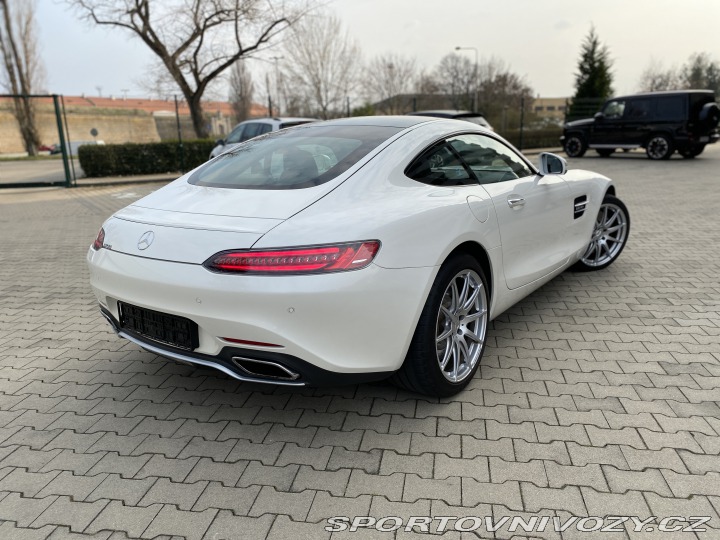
<point>598,395</point>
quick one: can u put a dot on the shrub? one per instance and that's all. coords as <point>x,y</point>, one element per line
<point>548,137</point>
<point>142,158</point>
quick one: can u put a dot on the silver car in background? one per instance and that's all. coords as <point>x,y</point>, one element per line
<point>254,128</point>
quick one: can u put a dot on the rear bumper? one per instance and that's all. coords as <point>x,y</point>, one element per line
<point>343,327</point>
<point>289,371</point>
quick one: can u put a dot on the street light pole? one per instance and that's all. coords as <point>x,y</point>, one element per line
<point>475,74</point>
<point>277,86</point>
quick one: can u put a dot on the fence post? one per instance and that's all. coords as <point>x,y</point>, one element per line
<point>61,134</point>
<point>522,121</point>
<point>69,143</point>
<point>179,130</point>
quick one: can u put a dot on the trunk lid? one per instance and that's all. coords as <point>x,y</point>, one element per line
<point>185,223</point>
<point>181,196</point>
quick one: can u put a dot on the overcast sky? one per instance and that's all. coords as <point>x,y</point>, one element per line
<point>539,40</point>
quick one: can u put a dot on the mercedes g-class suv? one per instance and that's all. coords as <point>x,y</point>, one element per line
<point>659,122</point>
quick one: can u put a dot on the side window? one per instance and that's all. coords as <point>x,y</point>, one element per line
<point>264,128</point>
<point>439,166</point>
<point>236,135</point>
<point>637,109</point>
<point>252,130</point>
<point>670,108</point>
<point>614,109</point>
<point>490,160</point>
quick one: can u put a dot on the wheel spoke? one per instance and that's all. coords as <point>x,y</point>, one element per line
<point>449,346</point>
<point>473,336</point>
<point>454,302</point>
<point>616,228</point>
<point>463,293</point>
<point>444,335</point>
<point>473,316</point>
<point>473,298</point>
<point>455,361</point>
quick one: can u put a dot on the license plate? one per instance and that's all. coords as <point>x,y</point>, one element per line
<point>704,139</point>
<point>162,327</point>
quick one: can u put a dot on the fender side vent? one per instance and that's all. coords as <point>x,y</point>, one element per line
<point>580,205</point>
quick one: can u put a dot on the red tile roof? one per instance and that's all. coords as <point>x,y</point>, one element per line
<point>151,105</point>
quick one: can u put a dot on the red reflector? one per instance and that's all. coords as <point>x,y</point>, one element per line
<point>306,260</point>
<point>100,240</point>
<point>253,343</point>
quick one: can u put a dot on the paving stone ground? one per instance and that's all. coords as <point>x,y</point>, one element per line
<point>598,395</point>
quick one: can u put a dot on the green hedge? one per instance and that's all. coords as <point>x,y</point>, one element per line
<point>535,138</point>
<point>142,158</point>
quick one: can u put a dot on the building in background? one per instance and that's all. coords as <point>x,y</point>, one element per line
<point>117,120</point>
<point>550,109</point>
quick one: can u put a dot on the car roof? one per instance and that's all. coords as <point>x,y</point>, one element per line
<point>665,93</point>
<point>380,121</point>
<point>280,119</point>
<point>445,113</point>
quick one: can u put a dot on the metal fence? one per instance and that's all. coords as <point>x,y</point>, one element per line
<point>66,123</point>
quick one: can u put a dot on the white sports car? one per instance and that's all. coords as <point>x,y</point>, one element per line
<point>349,251</point>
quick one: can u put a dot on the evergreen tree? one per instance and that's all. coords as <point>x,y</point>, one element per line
<point>593,80</point>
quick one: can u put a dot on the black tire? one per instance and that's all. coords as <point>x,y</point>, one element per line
<point>586,263</point>
<point>421,371</point>
<point>692,151</point>
<point>575,146</point>
<point>605,152</point>
<point>659,146</point>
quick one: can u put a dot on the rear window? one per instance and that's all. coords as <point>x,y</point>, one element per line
<point>294,159</point>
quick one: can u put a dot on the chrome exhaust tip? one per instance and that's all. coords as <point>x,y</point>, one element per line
<point>264,369</point>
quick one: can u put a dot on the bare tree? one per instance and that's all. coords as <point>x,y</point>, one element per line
<point>499,87</point>
<point>322,63</point>
<point>655,77</point>
<point>386,78</point>
<point>701,71</point>
<point>23,71</point>
<point>455,75</point>
<point>241,90</point>
<point>427,83</point>
<point>195,40</point>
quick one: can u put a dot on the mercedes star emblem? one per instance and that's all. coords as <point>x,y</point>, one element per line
<point>146,240</point>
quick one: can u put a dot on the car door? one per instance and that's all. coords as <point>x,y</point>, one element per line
<point>608,128</point>
<point>636,121</point>
<point>534,212</point>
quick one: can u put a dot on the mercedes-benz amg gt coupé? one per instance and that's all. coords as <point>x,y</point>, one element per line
<point>350,250</point>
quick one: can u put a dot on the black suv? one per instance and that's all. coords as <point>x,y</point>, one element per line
<point>660,122</point>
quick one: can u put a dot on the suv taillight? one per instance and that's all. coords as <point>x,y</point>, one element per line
<point>100,240</point>
<point>302,260</point>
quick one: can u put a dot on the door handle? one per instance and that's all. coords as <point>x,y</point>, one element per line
<point>515,202</point>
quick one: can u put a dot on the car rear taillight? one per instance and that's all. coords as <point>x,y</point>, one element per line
<point>99,241</point>
<point>302,260</point>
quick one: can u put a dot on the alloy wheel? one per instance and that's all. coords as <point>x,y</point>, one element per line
<point>461,326</point>
<point>573,146</point>
<point>658,147</point>
<point>608,237</point>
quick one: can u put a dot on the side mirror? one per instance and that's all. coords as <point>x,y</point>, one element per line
<point>599,116</point>
<point>220,142</point>
<point>551,164</point>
